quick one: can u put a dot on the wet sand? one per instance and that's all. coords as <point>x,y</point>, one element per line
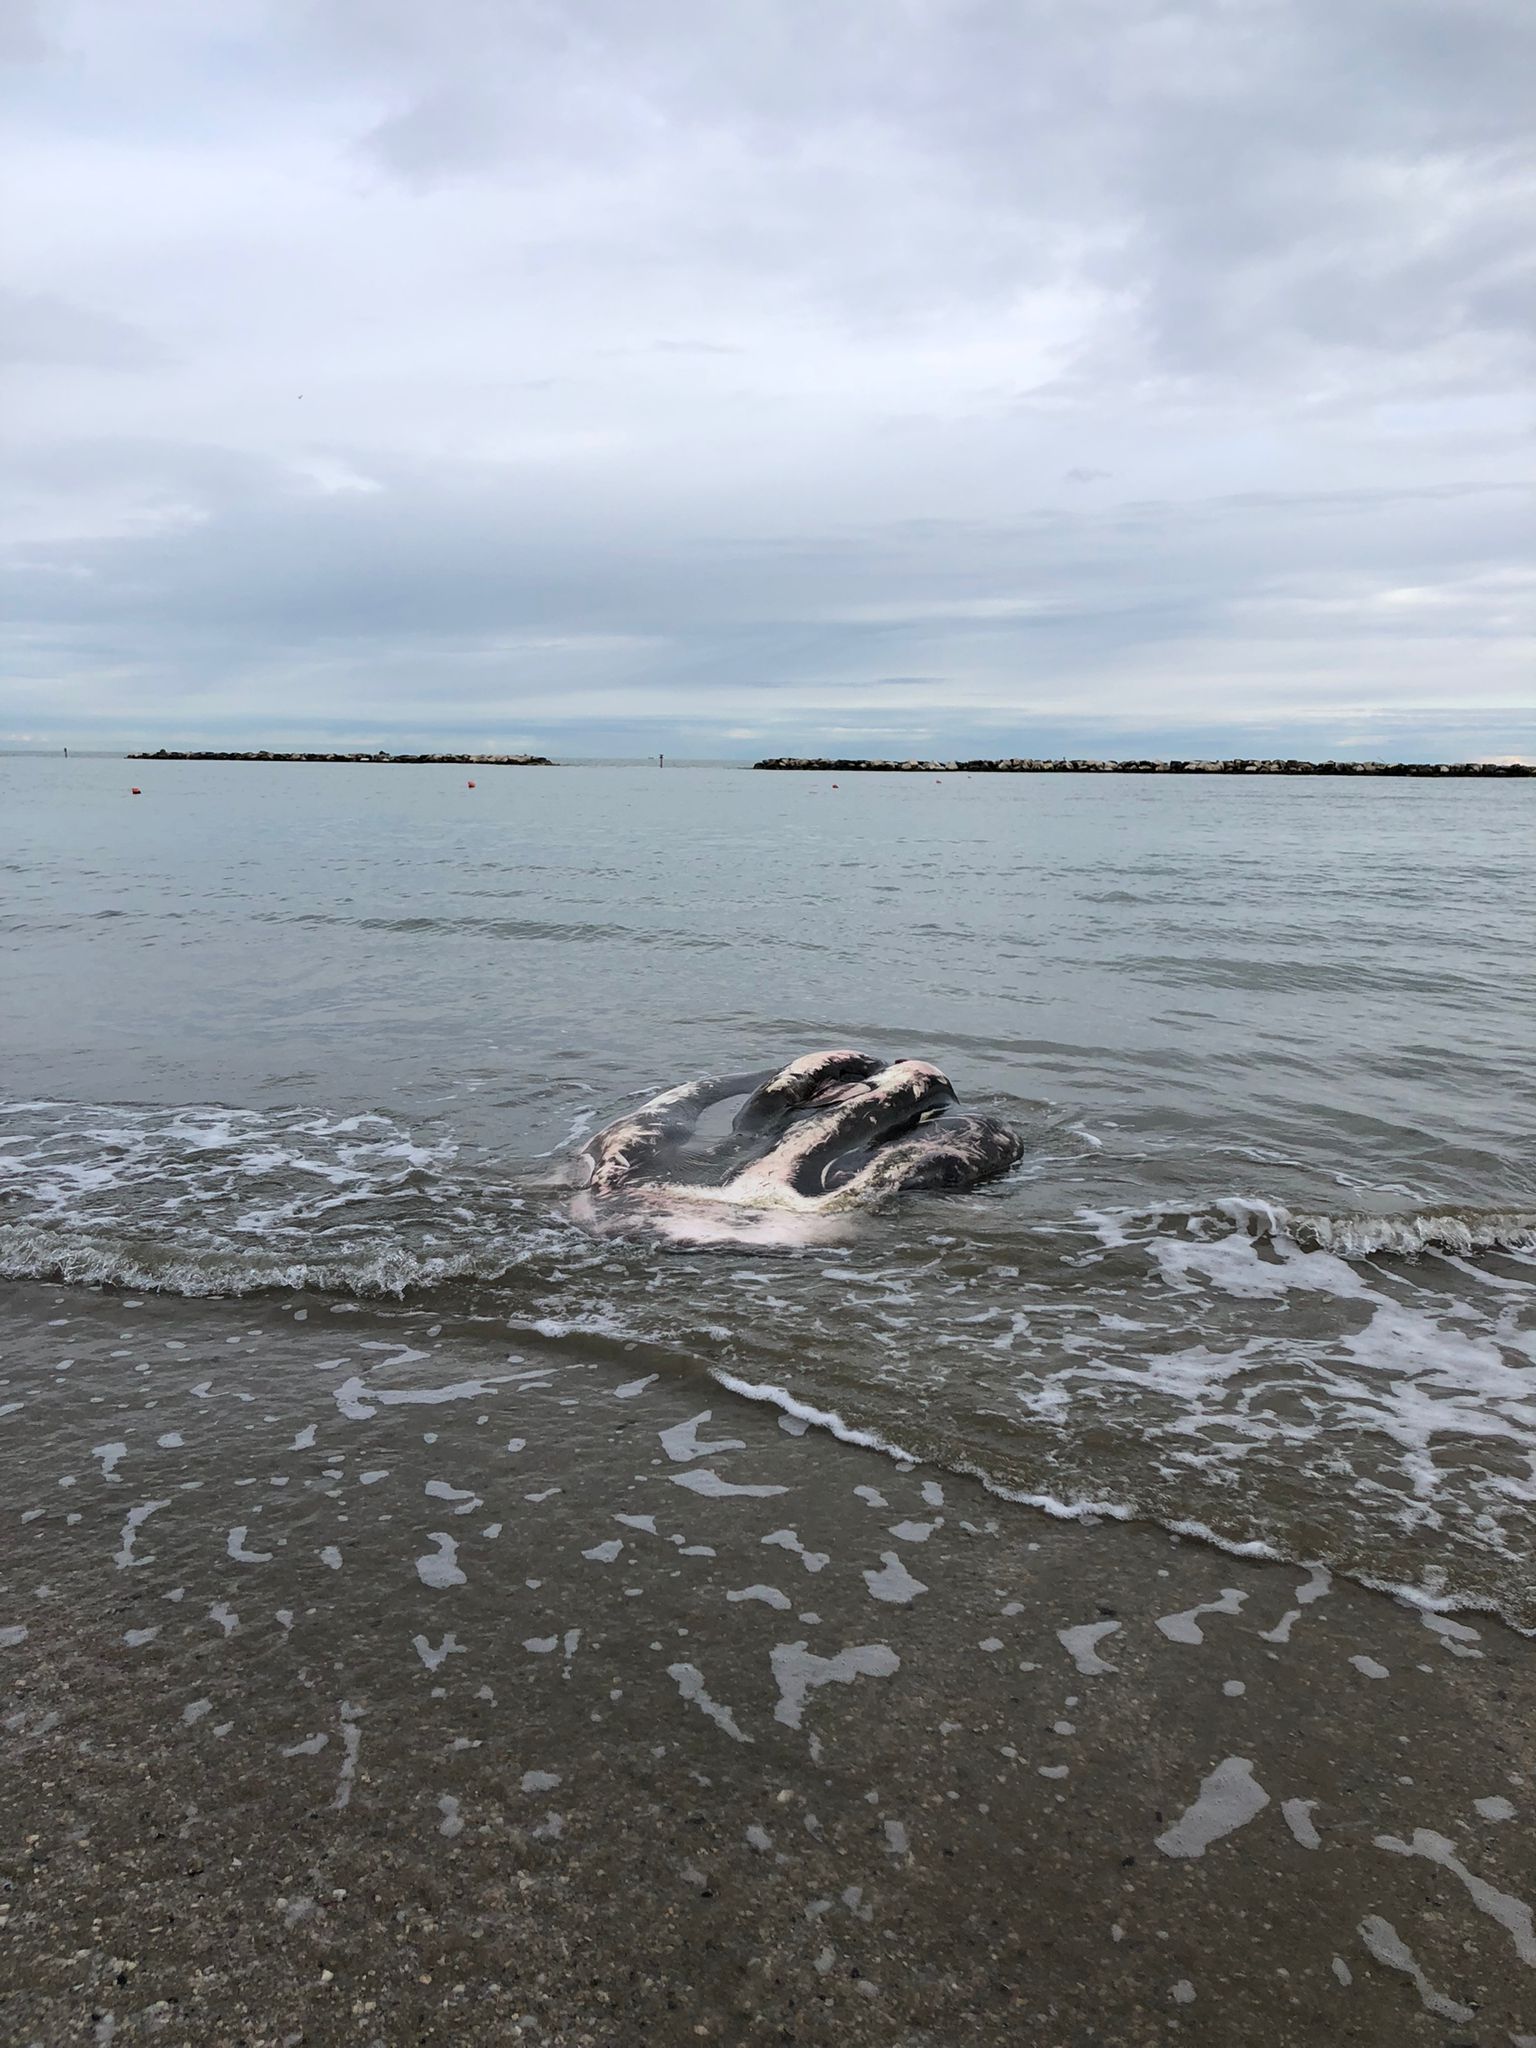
<point>361,1682</point>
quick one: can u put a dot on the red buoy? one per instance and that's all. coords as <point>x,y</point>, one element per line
<point>138,792</point>
<point>469,785</point>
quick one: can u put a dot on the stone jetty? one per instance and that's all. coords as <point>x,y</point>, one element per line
<point>1495,770</point>
<point>369,760</point>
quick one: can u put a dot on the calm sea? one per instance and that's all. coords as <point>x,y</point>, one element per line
<point>1267,1272</point>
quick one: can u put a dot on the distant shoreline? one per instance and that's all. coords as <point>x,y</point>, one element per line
<point>368,760</point>
<point>1497,770</point>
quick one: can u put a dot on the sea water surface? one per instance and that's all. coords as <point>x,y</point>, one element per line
<point>1266,1274</point>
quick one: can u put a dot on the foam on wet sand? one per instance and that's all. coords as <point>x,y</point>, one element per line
<point>1189,1766</point>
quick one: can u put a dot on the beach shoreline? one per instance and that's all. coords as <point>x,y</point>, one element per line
<point>386,1690</point>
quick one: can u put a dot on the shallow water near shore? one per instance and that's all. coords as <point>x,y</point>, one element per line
<point>1267,1271</point>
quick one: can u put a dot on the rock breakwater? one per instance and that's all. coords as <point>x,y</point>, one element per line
<point>370,760</point>
<point>1494,770</point>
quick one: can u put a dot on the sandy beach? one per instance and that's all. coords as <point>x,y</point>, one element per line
<point>359,1694</point>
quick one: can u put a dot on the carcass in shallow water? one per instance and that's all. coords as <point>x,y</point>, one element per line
<point>831,1132</point>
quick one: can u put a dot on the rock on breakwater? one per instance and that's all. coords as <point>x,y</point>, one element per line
<point>1496,770</point>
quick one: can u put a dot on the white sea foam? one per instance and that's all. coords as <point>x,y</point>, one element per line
<point>351,1746</point>
<point>710,1484</point>
<point>1081,1645</point>
<point>124,1557</point>
<point>1384,1942</point>
<point>893,1583</point>
<point>359,1402</point>
<point>1511,1913</point>
<point>1185,1627</point>
<point>799,1672</point>
<point>1228,1799</point>
<point>690,1683</point>
<point>682,1441</point>
<point>440,1568</point>
<point>450,1646</point>
<point>1298,1818</point>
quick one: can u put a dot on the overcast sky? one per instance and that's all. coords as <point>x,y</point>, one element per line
<point>743,376</point>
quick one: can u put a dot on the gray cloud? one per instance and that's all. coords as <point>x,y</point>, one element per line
<point>963,368</point>
<point>23,39</point>
<point>36,327</point>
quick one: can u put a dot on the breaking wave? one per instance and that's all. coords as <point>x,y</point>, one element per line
<point>1451,1232</point>
<point>206,1201</point>
<point>381,1269</point>
<point>1461,1234</point>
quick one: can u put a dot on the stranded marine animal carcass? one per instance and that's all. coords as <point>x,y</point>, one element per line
<point>831,1132</point>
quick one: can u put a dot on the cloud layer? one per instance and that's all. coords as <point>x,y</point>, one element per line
<point>918,376</point>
